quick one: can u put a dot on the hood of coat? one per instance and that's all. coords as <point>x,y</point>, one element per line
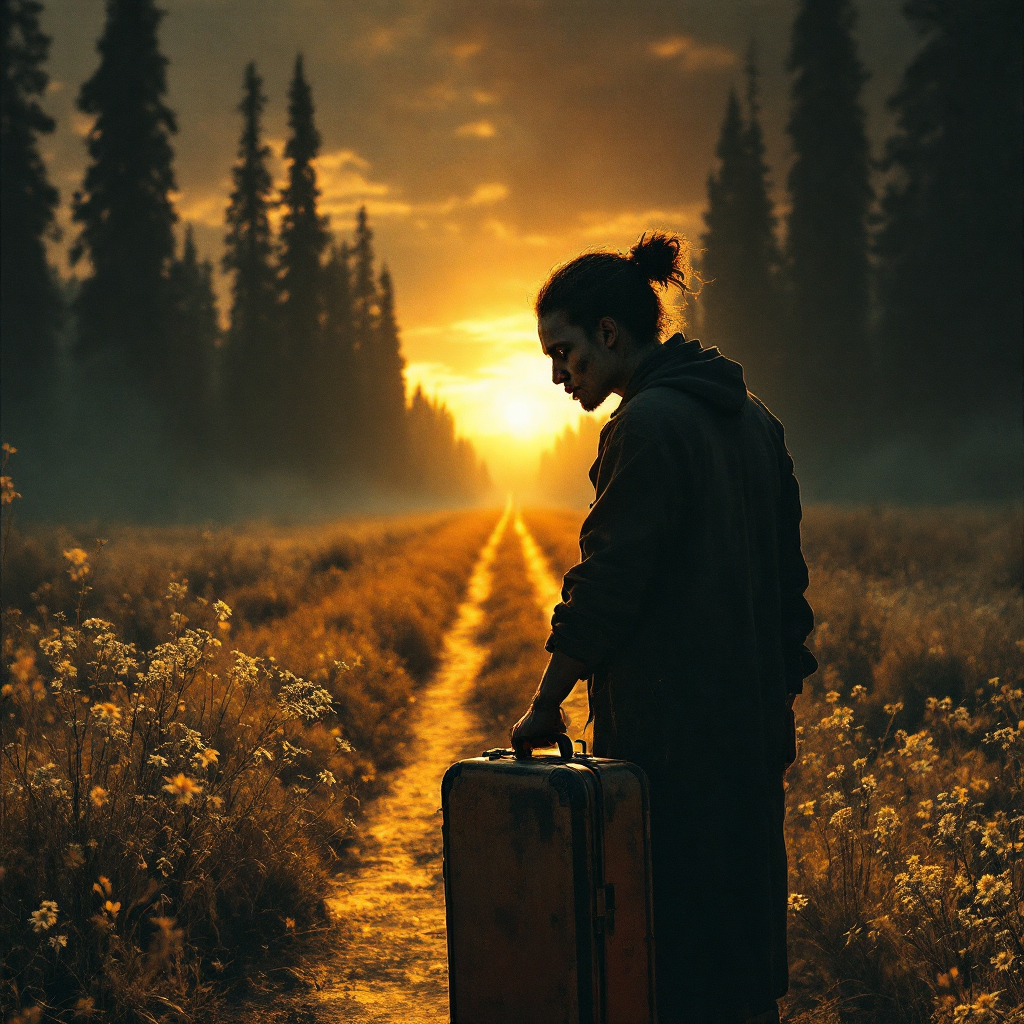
<point>686,366</point>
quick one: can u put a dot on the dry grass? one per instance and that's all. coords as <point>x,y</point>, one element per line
<point>514,631</point>
<point>171,809</point>
<point>905,828</point>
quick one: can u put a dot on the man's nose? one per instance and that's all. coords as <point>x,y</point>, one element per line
<point>559,375</point>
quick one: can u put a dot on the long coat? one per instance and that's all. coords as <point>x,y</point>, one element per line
<point>688,604</point>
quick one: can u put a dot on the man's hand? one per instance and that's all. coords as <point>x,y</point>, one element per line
<point>538,726</point>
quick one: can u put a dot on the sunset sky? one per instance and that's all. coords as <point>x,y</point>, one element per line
<point>489,142</point>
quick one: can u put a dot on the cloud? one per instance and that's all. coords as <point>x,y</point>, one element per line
<point>617,227</point>
<point>476,130</point>
<point>692,55</point>
<point>467,49</point>
<point>485,195</point>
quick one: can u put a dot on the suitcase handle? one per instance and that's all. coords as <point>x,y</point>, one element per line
<point>561,740</point>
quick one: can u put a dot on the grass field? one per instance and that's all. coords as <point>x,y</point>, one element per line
<point>193,721</point>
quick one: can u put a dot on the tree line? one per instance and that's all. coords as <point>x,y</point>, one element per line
<point>307,379</point>
<point>883,325</point>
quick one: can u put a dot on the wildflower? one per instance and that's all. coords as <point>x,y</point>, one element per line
<point>103,886</point>
<point>7,492</point>
<point>98,796</point>
<point>24,666</point>
<point>207,757</point>
<point>925,812</point>
<point>869,783</point>
<point>182,788</point>
<point>806,808</point>
<point>860,763</point>
<point>222,610</point>
<point>832,697</point>
<point>157,760</point>
<point>289,924</point>
<point>74,858</point>
<point>45,917</point>
<point>993,888</point>
<point>841,819</point>
<point>840,719</point>
<point>111,908</point>
<point>58,942</point>
<point>300,698</point>
<point>79,559</point>
<point>887,824</point>
<point>797,901</point>
<point>107,713</point>
<point>892,710</point>
<point>327,778</point>
<point>177,591</point>
<point>859,692</point>
<point>6,690</point>
<point>1003,960</point>
<point>85,1007</point>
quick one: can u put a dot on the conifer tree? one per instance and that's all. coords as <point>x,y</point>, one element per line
<point>124,206</point>
<point>950,246</point>
<point>193,339</point>
<point>827,238</point>
<point>388,382</point>
<point>364,284</point>
<point>339,387</point>
<point>29,301</point>
<point>252,357</point>
<point>741,301</point>
<point>304,239</point>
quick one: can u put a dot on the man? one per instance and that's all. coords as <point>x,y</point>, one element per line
<point>686,613</point>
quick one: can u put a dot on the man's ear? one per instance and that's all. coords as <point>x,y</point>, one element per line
<point>607,331</point>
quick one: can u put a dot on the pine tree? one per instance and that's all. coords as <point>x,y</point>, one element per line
<point>388,377</point>
<point>252,357</point>
<point>364,284</point>
<point>304,239</point>
<point>950,247</point>
<point>741,300</point>
<point>193,339</point>
<point>124,207</point>
<point>827,238</point>
<point>30,303</point>
<point>442,464</point>
<point>339,392</point>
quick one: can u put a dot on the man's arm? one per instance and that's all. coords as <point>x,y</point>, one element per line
<point>543,720</point>
<point>603,595</point>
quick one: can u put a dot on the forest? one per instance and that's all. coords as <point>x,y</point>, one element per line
<point>132,397</point>
<point>880,313</point>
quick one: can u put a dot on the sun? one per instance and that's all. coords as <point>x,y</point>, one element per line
<point>520,416</point>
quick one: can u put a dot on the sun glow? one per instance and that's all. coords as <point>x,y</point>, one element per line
<point>521,417</point>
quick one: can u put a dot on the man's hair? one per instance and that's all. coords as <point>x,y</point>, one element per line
<point>617,285</point>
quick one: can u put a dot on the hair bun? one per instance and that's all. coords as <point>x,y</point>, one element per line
<point>659,258</point>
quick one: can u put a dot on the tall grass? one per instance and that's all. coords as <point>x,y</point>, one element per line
<point>178,774</point>
<point>514,630</point>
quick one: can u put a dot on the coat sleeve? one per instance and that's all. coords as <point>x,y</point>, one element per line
<point>603,596</point>
<point>797,616</point>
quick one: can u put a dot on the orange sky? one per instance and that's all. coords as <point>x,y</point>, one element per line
<point>489,139</point>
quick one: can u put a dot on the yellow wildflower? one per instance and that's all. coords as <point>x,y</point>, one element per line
<point>182,788</point>
<point>98,796</point>
<point>107,713</point>
<point>45,917</point>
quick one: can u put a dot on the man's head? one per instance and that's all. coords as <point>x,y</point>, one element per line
<point>599,315</point>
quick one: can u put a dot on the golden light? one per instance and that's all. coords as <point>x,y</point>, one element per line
<point>520,417</point>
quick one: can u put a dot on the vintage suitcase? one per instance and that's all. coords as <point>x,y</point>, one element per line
<point>547,883</point>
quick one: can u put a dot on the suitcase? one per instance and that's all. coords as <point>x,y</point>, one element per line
<point>547,881</point>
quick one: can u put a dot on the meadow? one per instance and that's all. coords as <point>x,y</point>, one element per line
<point>906,804</point>
<point>195,720</point>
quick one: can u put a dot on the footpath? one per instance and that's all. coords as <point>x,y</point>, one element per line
<point>393,963</point>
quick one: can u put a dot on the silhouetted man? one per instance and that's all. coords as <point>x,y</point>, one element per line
<point>686,613</point>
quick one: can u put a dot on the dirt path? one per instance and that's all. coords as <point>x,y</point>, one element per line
<point>548,589</point>
<point>393,967</point>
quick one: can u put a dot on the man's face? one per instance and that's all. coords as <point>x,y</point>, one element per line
<point>587,367</point>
